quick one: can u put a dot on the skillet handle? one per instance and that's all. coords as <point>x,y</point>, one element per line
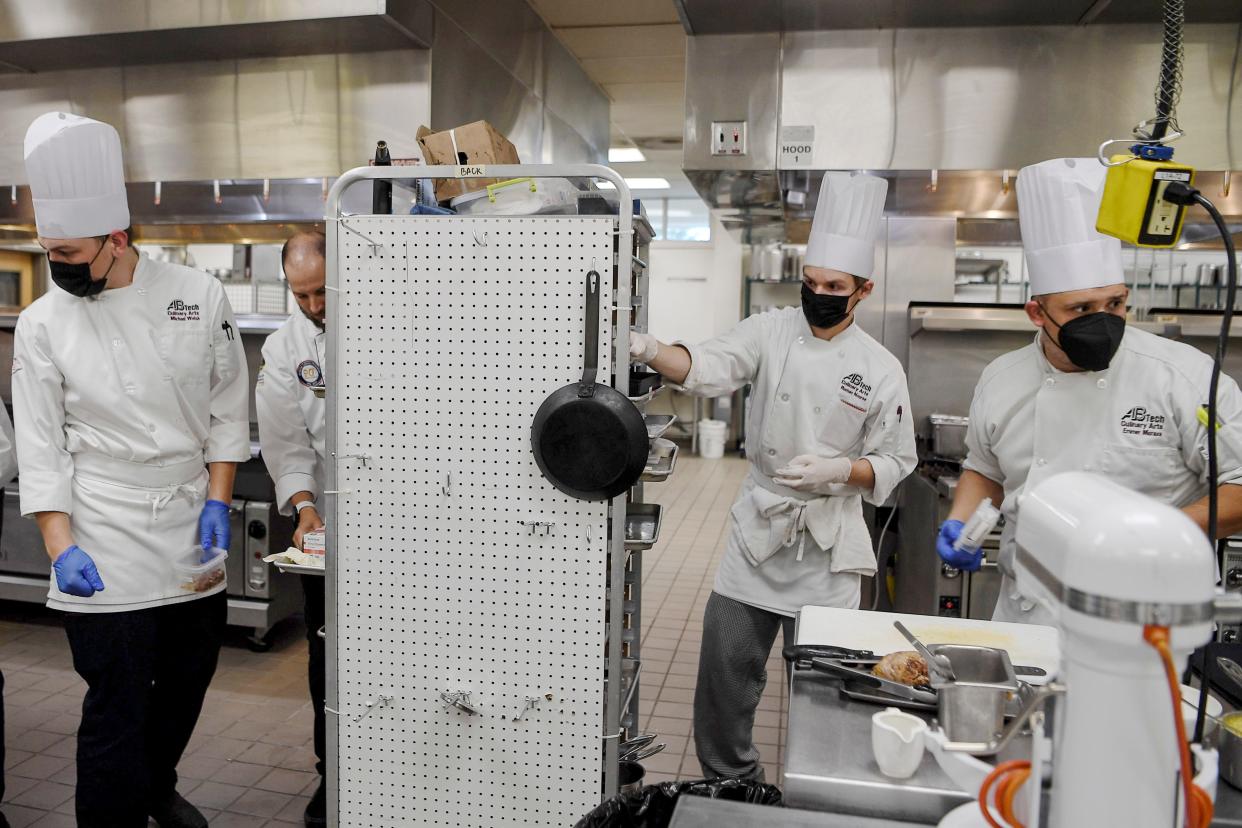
<point>586,388</point>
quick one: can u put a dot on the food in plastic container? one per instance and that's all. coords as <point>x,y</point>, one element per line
<point>314,543</point>
<point>194,575</point>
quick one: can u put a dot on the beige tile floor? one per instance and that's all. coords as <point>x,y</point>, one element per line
<point>677,579</point>
<point>250,763</point>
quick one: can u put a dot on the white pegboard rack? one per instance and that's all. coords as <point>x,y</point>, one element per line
<point>469,652</point>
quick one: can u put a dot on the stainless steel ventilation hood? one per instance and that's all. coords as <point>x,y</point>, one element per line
<point>77,34</point>
<point>948,114</point>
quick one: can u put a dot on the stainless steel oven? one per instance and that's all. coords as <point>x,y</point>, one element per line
<point>925,584</point>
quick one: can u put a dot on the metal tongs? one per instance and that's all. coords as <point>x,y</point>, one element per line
<point>938,664</point>
<point>838,661</point>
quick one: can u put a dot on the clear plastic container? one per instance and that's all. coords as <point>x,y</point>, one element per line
<point>981,523</point>
<point>195,576</point>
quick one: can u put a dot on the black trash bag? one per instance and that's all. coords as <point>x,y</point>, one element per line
<point>653,805</point>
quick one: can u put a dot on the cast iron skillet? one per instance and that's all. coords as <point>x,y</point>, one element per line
<point>589,440</point>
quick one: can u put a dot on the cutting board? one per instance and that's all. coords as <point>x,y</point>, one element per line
<point>1028,644</point>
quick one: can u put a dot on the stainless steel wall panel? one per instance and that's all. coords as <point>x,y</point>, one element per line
<point>182,124</point>
<point>732,78</point>
<point>383,95</point>
<point>573,97</point>
<point>919,266</point>
<point>287,117</point>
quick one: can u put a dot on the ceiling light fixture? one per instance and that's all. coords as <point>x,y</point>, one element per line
<point>625,155</point>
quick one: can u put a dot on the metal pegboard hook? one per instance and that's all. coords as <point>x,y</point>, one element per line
<point>374,245</point>
<point>481,242</point>
<point>460,700</point>
<point>446,488</point>
<point>382,700</point>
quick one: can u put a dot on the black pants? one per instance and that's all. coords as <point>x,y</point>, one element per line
<point>317,660</point>
<point>146,672</point>
<point>733,671</point>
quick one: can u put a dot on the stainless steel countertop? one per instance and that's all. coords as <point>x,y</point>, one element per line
<point>699,812</point>
<point>829,765</point>
<point>829,768</point>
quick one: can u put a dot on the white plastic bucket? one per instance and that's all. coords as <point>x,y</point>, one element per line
<point>712,438</point>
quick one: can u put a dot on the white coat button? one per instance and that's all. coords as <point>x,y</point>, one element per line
<point>1050,382</point>
<point>1102,383</point>
<point>800,341</point>
<point>784,398</point>
<point>771,452</point>
<point>1041,461</point>
<point>116,343</point>
<point>129,389</point>
<point>142,291</point>
<point>818,410</point>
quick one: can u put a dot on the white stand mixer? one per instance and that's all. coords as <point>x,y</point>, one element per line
<point>1121,573</point>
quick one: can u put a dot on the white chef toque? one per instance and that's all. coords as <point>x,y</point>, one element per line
<point>847,223</point>
<point>1058,202</point>
<point>77,177</point>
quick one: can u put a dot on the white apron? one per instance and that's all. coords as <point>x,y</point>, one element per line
<point>149,511</point>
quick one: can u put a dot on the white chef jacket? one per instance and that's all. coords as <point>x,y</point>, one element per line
<point>120,400</point>
<point>844,397</point>
<point>289,397</point>
<point>1135,422</point>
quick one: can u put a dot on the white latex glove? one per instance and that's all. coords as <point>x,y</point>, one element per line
<point>808,473</point>
<point>643,347</point>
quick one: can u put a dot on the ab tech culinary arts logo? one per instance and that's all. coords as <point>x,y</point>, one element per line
<point>179,311</point>
<point>854,390</point>
<point>1140,422</point>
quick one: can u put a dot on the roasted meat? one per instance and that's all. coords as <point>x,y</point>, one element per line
<point>904,667</point>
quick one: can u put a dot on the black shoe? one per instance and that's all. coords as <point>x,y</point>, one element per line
<point>317,809</point>
<point>4,823</point>
<point>175,812</point>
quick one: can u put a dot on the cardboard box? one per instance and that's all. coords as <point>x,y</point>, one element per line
<point>476,144</point>
<point>313,543</point>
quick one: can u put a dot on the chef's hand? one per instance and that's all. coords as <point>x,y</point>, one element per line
<point>76,573</point>
<point>966,561</point>
<point>643,347</point>
<point>808,473</point>
<point>308,521</point>
<point>213,527</point>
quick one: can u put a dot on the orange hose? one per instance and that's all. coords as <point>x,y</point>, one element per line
<point>1007,790</point>
<point>1198,804</point>
<point>1000,771</point>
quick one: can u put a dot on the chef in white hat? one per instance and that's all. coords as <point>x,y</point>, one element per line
<point>130,403</point>
<point>1090,393</point>
<point>828,426</point>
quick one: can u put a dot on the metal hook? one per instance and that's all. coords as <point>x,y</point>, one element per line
<point>446,488</point>
<point>935,181</point>
<point>374,245</point>
<point>483,241</point>
<point>459,700</point>
<point>1005,181</point>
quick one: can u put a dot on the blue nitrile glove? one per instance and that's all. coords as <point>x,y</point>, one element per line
<point>950,531</point>
<point>213,527</point>
<point>76,573</point>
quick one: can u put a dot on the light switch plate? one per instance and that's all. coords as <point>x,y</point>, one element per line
<point>728,137</point>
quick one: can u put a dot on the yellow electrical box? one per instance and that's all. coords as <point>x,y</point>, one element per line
<point>1133,207</point>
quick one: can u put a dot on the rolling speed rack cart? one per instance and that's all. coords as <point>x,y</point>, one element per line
<point>482,625</point>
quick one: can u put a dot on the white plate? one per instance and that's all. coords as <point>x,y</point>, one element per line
<point>964,816</point>
<point>298,569</point>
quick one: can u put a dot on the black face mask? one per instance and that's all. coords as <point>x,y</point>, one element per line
<point>1090,341</point>
<point>825,310</point>
<point>76,278</point>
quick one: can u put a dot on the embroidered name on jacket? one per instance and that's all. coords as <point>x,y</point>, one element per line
<point>1140,422</point>
<point>179,311</point>
<point>854,390</point>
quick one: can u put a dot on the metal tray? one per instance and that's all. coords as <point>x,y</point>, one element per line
<point>659,470</point>
<point>642,525</point>
<point>657,424</point>
<point>299,569</point>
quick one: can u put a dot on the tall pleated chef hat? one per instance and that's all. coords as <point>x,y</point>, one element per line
<point>847,223</point>
<point>77,177</point>
<point>1058,201</point>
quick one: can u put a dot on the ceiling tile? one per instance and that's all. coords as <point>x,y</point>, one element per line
<point>629,70</point>
<point>646,93</point>
<point>560,13</point>
<point>625,41</point>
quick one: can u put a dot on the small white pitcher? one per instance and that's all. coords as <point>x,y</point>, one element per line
<point>897,741</point>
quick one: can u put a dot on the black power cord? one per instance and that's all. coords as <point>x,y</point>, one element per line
<point>1185,195</point>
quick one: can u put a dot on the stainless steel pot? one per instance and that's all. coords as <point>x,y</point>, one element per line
<point>972,708</point>
<point>949,435</point>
